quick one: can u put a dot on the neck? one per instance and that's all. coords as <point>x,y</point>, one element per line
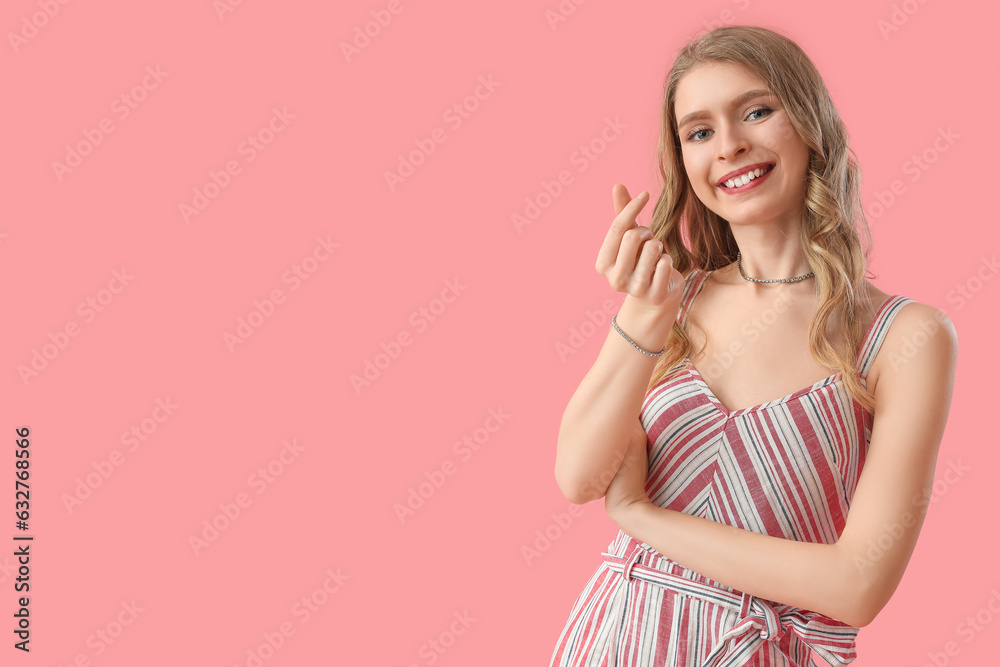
<point>770,252</point>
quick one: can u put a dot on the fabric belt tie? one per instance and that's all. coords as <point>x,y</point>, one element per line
<point>758,620</point>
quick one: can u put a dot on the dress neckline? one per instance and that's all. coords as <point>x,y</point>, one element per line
<point>836,378</point>
<point>773,403</point>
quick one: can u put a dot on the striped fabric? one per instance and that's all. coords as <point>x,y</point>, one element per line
<point>788,468</point>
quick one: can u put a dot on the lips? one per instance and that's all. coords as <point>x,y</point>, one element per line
<point>765,166</point>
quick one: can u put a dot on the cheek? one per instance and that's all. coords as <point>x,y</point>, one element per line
<point>780,137</point>
<point>694,169</point>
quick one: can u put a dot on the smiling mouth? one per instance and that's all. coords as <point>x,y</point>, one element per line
<point>748,177</point>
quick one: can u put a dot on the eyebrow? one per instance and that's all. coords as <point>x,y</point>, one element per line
<point>740,99</point>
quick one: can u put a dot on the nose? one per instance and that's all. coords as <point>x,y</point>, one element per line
<point>732,142</point>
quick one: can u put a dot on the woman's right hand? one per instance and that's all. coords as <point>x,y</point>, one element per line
<point>634,261</point>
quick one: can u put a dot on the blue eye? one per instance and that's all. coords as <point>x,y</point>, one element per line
<point>758,110</point>
<point>768,110</point>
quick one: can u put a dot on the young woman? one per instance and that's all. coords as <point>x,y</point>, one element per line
<point>762,421</point>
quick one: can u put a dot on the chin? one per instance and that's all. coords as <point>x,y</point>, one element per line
<point>750,214</point>
<point>741,218</point>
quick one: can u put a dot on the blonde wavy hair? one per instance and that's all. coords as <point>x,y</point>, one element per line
<point>831,237</point>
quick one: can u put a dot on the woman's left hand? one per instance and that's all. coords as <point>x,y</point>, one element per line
<point>629,484</point>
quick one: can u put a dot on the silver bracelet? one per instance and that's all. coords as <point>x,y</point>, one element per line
<point>614,323</point>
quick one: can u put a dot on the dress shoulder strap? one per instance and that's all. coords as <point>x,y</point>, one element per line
<point>877,331</point>
<point>692,285</point>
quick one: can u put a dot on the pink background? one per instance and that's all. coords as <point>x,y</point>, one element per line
<point>489,344</point>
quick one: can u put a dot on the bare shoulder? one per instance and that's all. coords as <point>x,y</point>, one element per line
<point>876,298</point>
<point>921,341</point>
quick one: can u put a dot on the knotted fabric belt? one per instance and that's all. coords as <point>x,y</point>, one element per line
<point>758,620</point>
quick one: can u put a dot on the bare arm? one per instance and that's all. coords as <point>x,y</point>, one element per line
<point>852,579</point>
<point>602,414</point>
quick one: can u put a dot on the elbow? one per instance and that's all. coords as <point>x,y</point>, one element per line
<point>858,617</point>
<point>578,498</point>
<point>868,604</point>
<point>853,612</point>
<point>861,616</point>
<point>862,588</point>
<point>868,599</point>
<point>573,491</point>
<point>854,595</point>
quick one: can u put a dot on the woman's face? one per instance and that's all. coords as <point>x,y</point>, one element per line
<point>734,129</point>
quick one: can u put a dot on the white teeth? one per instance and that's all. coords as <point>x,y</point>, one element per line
<point>745,178</point>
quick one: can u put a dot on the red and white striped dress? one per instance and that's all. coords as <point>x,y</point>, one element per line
<point>788,468</point>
